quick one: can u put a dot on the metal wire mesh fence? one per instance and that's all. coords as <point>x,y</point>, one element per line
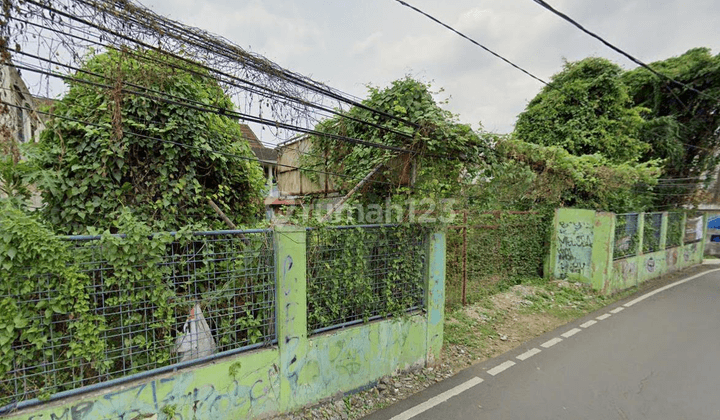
<point>490,247</point>
<point>626,235</point>
<point>357,274</point>
<point>211,293</point>
<point>652,232</point>
<point>674,230</point>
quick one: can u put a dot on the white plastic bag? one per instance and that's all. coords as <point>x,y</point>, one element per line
<point>196,340</point>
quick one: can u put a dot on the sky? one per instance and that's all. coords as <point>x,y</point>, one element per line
<point>350,44</point>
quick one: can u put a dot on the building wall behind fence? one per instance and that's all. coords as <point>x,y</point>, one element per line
<point>607,250</point>
<point>299,370</point>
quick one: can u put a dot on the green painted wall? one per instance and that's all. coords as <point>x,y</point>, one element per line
<point>299,371</point>
<point>569,250</point>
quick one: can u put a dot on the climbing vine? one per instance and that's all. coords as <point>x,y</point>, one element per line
<point>429,149</point>
<point>165,159</point>
<point>82,310</point>
<point>48,331</point>
<point>355,274</point>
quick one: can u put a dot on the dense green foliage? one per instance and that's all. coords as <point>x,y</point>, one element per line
<point>683,126</point>
<point>34,324</point>
<point>122,154</point>
<point>530,176</point>
<point>501,246</point>
<point>586,110</point>
<point>103,308</point>
<point>356,274</point>
<point>441,147</point>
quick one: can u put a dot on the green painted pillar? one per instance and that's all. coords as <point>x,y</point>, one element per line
<point>704,240</point>
<point>435,294</point>
<point>291,319</point>
<point>683,226</point>
<point>602,250</point>
<point>550,263</point>
<point>663,231</point>
<point>640,233</point>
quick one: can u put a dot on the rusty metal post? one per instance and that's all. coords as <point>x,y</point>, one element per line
<point>464,263</point>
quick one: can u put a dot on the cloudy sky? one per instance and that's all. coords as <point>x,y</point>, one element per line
<point>348,44</point>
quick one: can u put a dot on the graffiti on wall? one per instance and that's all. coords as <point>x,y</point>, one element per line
<point>181,395</point>
<point>574,248</point>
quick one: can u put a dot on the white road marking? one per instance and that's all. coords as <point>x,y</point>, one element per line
<point>589,324</point>
<point>528,354</point>
<point>617,310</point>
<point>501,367</point>
<point>571,332</point>
<point>551,343</point>
<point>438,399</point>
<point>669,286</point>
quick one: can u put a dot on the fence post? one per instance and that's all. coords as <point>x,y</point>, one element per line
<point>435,294</point>
<point>663,231</point>
<point>290,266</point>
<point>683,227</point>
<point>641,233</point>
<point>602,250</point>
<point>703,241</point>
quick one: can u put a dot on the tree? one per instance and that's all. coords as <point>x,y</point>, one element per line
<point>164,160</point>
<point>441,148</point>
<point>585,109</point>
<point>683,122</point>
<point>528,176</point>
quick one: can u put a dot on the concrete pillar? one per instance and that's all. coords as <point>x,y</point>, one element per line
<point>683,225</point>
<point>291,292</point>
<point>640,233</point>
<point>602,249</point>
<point>663,231</point>
<point>435,294</point>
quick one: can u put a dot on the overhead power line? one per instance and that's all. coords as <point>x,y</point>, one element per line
<point>190,146</point>
<point>572,21</point>
<point>220,111</point>
<point>434,19</point>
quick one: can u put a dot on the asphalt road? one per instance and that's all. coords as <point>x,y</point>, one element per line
<point>656,358</point>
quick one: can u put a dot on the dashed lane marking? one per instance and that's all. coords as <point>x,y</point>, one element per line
<point>551,343</point>
<point>501,367</point>
<point>570,333</point>
<point>438,399</point>
<point>528,354</point>
<point>589,324</point>
<point>617,310</point>
<point>603,317</point>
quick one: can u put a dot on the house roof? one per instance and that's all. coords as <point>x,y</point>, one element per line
<point>261,152</point>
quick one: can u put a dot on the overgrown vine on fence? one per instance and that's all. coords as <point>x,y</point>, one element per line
<point>358,273</point>
<point>34,324</point>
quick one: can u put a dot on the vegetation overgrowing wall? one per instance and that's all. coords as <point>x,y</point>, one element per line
<point>613,252</point>
<point>300,367</point>
<point>494,246</point>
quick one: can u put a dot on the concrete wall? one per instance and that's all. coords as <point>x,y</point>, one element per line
<point>299,371</point>
<point>582,250</point>
<point>23,124</point>
<point>712,248</point>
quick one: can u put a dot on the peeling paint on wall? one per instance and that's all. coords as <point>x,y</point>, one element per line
<point>569,253</point>
<point>297,372</point>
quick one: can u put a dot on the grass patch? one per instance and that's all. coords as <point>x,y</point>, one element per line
<point>476,325</point>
